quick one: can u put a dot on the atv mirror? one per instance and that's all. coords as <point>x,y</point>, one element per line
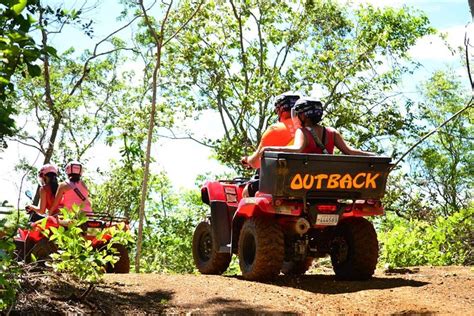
<point>29,194</point>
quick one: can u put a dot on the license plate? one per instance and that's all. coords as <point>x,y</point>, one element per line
<point>327,219</point>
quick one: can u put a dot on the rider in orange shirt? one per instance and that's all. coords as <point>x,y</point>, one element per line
<point>278,134</point>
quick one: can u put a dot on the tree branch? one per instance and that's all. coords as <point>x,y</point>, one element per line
<point>468,105</point>
<point>184,24</point>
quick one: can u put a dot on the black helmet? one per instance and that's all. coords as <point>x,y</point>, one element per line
<point>312,108</point>
<point>285,101</point>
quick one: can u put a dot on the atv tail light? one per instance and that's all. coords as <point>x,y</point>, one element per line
<point>326,207</point>
<point>94,224</point>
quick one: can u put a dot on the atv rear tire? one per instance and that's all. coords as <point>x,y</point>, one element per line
<point>261,249</point>
<point>40,250</point>
<point>206,257</point>
<point>123,264</point>
<point>297,267</point>
<point>354,250</point>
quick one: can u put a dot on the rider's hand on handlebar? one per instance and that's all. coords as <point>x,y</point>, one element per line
<point>244,161</point>
<point>29,209</point>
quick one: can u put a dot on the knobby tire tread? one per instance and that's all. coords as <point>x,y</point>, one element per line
<point>218,262</point>
<point>269,254</point>
<point>363,250</point>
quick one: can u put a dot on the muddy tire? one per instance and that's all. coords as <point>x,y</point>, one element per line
<point>297,267</point>
<point>354,250</point>
<point>261,249</point>
<point>40,250</point>
<point>123,264</point>
<point>206,257</point>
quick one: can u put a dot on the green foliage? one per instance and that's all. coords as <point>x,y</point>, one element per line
<point>446,241</point>
<point>404,198</point>
<point>77,117</point>
<point>167,238</point>
<point>236,55</point>
<point>17,49</point>
<point>9,272</point>
<point>444,163</point>
<point>9,268</point>
<point>76,255</point>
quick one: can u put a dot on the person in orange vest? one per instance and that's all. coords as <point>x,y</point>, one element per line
<point>281,133</point>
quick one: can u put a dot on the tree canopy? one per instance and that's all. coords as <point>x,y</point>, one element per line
<point>239,55</point>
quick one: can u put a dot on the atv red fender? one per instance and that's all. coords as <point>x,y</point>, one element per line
<point>262,204</point>
<point>222,191</point>
<point>35,233</point>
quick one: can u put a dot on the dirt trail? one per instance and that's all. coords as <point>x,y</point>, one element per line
<point>425,290</point>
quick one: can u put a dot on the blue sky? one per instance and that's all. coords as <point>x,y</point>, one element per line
<point>172,156</point>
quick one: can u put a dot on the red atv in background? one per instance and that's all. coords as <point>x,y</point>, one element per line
<point>32,241</point>
<point>308,206</point>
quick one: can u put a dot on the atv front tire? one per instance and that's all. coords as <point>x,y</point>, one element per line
<point>205,251</point>
<point>297,267</point>
<point>261,249</point>
<point>354,250</point>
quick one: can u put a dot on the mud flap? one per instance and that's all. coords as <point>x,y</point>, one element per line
<point>221,219</point>
<point>23,248</point>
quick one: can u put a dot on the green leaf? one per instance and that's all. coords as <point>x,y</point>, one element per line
<point>19,6</point>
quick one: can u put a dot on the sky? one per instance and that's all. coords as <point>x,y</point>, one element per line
<point>183,160</point>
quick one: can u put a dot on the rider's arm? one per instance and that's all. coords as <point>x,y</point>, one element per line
<point>298,145</point>
<point>346,148</point>
<point>59,194</point>
<point>42,207</point>
<point>253,158</point>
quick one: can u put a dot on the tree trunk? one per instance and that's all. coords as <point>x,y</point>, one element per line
<point>471,5</point>
<point>151,126</point>
<point>49,102</point>
<point>144,194</point>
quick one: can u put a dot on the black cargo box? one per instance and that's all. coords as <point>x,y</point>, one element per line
<point>290,175</point>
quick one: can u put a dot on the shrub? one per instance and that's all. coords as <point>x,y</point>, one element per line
<point>446,241</point>
<point>76,255</point>
<point>9,268</point>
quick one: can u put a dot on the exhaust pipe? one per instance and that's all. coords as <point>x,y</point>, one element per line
<point>298,226</point>
<point>302,226</point>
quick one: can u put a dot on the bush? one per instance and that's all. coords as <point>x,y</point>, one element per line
<point>446,241</point>
<point>167,244</point>
<point>76,255</point>
<point>9,269</point>
<point>9,272</point>
<point>167,237</point>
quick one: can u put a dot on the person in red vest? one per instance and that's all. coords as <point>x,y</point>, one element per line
<point>312,137</point>
<point>73,191</point>
<point>47,176</point>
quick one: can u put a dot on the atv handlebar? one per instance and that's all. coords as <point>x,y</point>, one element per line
<point>238,180</point>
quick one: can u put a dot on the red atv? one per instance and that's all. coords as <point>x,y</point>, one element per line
<point>308,206</point>
<point>33,242</point>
